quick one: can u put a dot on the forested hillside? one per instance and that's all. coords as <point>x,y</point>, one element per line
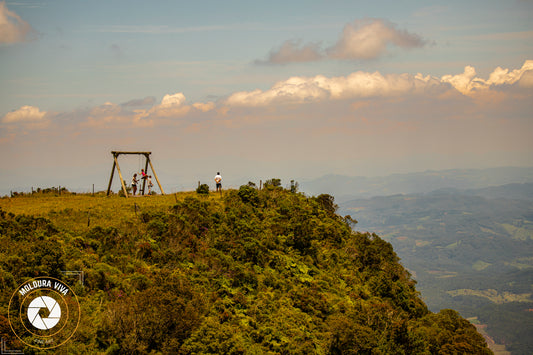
<point>249,272</point>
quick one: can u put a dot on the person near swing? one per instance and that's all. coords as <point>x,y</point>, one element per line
<point>134,184</point>
<point>149,181</point>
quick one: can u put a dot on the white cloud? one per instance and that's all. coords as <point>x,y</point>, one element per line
<point>360,85</point>
<point>13,28</point>
<point>363,39</point>
<point>369,39</point>
<point>204,107</point>
<point>175,105</point>
<point>28,116</point>
<point>172,106</point>
<point>468,84</point>
<point>356,85</point>
<point>109,114</point>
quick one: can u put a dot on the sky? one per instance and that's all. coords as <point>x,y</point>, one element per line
<point>259,90</point>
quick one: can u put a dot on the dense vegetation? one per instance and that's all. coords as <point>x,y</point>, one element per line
<point>248,272</point>
<point>470,250</point>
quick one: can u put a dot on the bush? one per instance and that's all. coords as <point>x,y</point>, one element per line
<point>272,183</point>
<point>249,195</point>
<point>203,189</point>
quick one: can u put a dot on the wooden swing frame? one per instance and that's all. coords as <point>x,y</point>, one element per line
<point>115,164</point>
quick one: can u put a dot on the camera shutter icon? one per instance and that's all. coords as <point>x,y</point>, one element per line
<point>35,318</point>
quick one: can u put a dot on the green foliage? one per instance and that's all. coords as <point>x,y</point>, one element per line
<point>249,194</point>
<point>248,272</point>
<point>272,183</point>
<point>327,202</point>
<point>203,189</point>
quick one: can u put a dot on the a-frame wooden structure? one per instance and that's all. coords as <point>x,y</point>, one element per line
<point>115,164</point>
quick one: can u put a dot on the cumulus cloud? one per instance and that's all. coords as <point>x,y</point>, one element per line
<point>108,114</point>
<point>356,85</point>
<point>175,106</point>
<point>292,52</point>
<point>13,28</point>
<point>468,84</point>
<point>24,114</point>
<point>355,90</point>
<point>361,40</point>
<point>370,38</point>
<point>135,112</point>
<point>360,85</point>
<point>172,105</point>
<point>27,116</point>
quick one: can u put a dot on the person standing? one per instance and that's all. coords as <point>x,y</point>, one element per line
<point>143,178</point>
<point>218,181</point>
<point>149,182</point>
<point>134,184</point>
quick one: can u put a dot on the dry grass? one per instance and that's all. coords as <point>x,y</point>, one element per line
<point>80,212</point>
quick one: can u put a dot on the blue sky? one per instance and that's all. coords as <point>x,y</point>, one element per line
<point>292,89</point>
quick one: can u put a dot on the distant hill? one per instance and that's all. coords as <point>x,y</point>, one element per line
<point>470,250</point>
<point>345,187</point>
<point>249,272</point>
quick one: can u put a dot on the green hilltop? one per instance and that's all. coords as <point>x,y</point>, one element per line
<point>249,271</point>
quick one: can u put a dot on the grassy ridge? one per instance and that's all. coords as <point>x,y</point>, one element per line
<point>248,272</point>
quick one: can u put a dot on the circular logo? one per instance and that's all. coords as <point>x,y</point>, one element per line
<point>44,313</point>
<point>54,312</point>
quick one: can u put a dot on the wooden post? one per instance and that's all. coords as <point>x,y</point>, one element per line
<point>145,171</point>
<point>112,173</point>
<point>121,179</point>
<point>155,175</point>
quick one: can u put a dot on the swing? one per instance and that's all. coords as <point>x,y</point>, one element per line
<point>148,161</point>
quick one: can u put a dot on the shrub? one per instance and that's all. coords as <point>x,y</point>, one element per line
<point>203,189</point>
<point>249,195</point>
<point>273,183</point>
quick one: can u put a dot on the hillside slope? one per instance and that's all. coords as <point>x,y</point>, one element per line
<point>252,272</point>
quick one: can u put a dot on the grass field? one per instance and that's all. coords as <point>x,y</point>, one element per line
<point>82,211</point>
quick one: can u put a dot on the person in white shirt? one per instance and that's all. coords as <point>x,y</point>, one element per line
<point>218,181</point>
<point>134,184</point>
<point>149,181</point>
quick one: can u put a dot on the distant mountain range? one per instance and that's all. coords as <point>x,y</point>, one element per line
<point>345,188</point>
